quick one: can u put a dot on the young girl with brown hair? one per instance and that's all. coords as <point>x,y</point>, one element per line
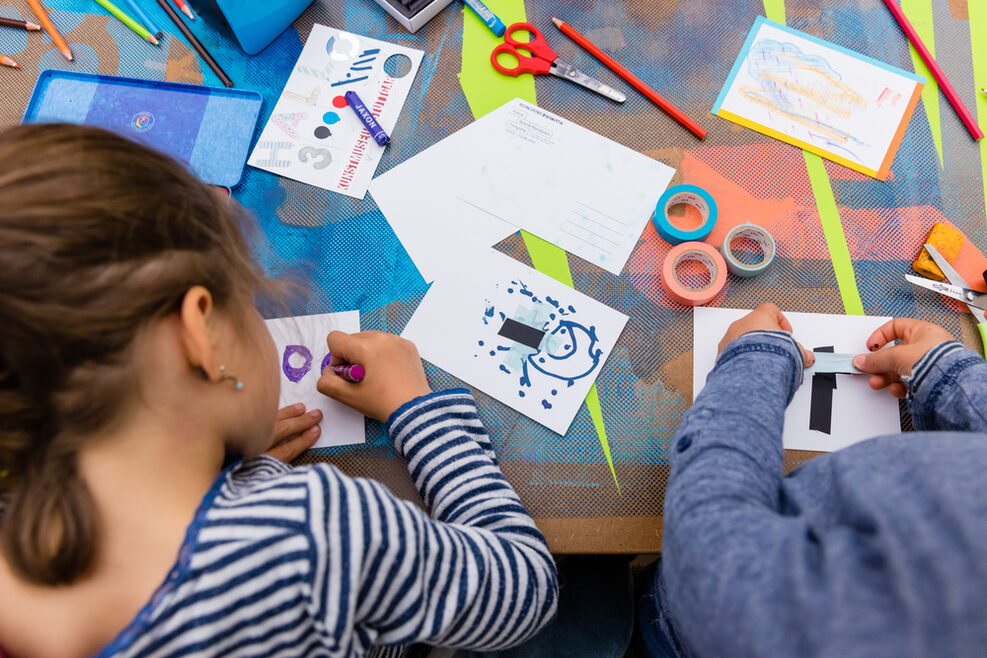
<point>132,359</point>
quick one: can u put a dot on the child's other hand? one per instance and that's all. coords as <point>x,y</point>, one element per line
<point>766,317</point>
<point>294,432</point>
<point>888,366</point>
<point>394,372</point>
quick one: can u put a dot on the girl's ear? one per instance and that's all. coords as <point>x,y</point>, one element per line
<point>197,306</point>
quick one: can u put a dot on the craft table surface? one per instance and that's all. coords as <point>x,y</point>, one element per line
<point>844,240</point>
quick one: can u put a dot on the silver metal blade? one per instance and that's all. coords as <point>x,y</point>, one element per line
<point>974,300</point>
<point>563,70</point>
<point>940,287</point>
<point>829,362</point>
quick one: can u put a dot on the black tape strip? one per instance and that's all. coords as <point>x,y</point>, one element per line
<point>521,333</point>
<point>821,405</point>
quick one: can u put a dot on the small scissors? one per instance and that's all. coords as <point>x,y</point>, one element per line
<point>544,61</point>
<point>957,289</point>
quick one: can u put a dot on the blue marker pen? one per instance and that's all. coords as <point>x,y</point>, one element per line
<point>367,118</point>
<point>495,24</point>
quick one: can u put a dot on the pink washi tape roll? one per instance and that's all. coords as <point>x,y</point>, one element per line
<point>706,256</point>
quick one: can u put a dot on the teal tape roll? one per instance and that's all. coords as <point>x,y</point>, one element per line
<point>758,235</point>
<point>691,195</point>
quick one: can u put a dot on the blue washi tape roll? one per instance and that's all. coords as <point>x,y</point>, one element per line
<point>756,234</point>
<point>691,195</point>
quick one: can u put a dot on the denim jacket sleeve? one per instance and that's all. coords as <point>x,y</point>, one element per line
<point>948,390</point>
<point>722,508</point>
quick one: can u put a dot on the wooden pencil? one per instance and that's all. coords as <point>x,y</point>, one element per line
<point>19,24</point>
<point>634,81</point>
<point>195,43</point>
<point>6,61</point>
<point>50,28</point>
<point>127,20</point>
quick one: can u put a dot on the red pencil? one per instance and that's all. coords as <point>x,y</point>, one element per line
<point>971,125</point>
<point>183,6</point>
<point>634,81</point>
<point>6,61</point>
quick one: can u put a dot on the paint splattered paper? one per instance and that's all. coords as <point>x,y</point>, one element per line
<point>517,335</point>
<point>302,355</point>
<point>841,105</point>
<point>313,136</point>
<point>823,416</point>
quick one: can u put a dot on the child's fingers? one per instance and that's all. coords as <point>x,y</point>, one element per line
<point>347,348</point>
<point>291,411</point>
<point>290,449</point>
<point>292,426</point>
<point>898,390</point>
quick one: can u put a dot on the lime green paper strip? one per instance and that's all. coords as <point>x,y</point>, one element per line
<point>775,10</point>
<point>978,23</point>
<point>484,88</point>
<point>832,227</point>
<point>919,12</point>
<point>552,260</point>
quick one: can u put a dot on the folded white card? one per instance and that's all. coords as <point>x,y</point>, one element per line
<point>303,354</point>
<point>521,167</point>
<point>517,335</point>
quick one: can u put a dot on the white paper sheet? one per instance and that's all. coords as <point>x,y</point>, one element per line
<point>301,343</point>
<point>521,167</point>
<point>545,376</point>
<point>312,135</point>
<point>858,411</point>
<point>817,95</point>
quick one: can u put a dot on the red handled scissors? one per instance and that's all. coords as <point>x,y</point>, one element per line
<point>544,61</point>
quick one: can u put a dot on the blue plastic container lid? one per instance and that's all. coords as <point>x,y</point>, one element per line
<point>209,129</point>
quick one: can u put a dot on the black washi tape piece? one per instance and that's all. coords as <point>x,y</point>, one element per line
<point>521,333</point>
<point>821,403</point>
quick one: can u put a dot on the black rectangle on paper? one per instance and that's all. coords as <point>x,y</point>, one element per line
<point>521,333</point>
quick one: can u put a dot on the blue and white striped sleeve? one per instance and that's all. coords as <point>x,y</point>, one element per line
<point>476,574</point>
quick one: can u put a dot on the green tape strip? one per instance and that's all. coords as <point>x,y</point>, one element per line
<point>775,10</point>
<point>919,12</point>
<point>554,262</point>
<point>978,44</point>
<point>832,227</point>
<point>484,88</point>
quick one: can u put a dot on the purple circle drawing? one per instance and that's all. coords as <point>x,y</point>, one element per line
<point>322,132</point>
<point>326,362</point>
<point>292,373</point>
<point>330,118</point>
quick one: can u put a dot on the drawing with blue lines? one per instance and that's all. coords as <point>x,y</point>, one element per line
<point>327,145</point>
<point>519,336</point>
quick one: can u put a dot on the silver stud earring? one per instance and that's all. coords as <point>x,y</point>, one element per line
<point>223,377</point>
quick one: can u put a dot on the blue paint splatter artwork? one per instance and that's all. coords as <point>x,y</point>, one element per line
<point>568,350</point>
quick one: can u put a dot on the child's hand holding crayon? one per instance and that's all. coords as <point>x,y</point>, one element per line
<point>394,372</point>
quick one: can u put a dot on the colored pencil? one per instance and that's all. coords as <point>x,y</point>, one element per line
<point>971,124</point>
<point>128,21</point>
<point>634,81</point>
<point>195,43</point>
<point>50,28</point>
<point>181,4</point>
<point>19,24</point>
<point>139,14</point>
<point>6,61</point>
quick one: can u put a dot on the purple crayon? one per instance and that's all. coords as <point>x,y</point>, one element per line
<point>352,373</point>
<point>367,119</point>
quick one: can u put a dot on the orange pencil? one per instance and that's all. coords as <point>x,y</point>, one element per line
<point>6,61</point>
<point>634,81</point>
<point>50,28</point>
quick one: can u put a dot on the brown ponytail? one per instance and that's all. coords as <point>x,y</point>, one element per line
<point>98,236</point>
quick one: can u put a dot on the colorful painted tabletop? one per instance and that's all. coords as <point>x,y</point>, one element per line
<point>844,240</point>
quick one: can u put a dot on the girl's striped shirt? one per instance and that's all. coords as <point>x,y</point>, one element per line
<point>306,561</point>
